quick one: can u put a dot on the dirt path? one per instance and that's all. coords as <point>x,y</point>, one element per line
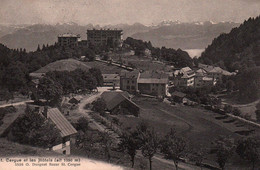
<point>16,104</point>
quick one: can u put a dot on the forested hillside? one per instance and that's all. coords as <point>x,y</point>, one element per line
<point>238,50</point>
<point>15,66</point>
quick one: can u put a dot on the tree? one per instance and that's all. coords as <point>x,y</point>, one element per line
<point>90,55</point>
<point>198,156</point>
<point>99,105</point>
<point>257,112</point>
<point>82,124</point>
<point>130,144</point>
<point>33,129</point>
<point>149,141</point>
<point>107,144</point>
<point>249,150</point>
<point>16,76</point>
<point>50,90</point>
<point>38,48</point>
<point>85,141</point>
<point>228,108</point>
<point>173,147</point>
<point>224,150</point>
<point>236,112</point>
<point>98,75</point>
<point>230,85</point>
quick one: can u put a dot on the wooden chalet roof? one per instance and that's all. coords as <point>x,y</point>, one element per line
<point>153,77</point>
<point>113,99</point>
<point>61,122</point>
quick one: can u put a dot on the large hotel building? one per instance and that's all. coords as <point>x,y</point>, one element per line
<point>68,39</point>
<point>107,37</point>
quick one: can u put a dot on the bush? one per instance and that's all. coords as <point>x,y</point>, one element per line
<point>236,112</point>
<point>82,124</point>
<point>257,112</point>
<point>228,108</point>
<point>35,130</point>
<point>99,105</point>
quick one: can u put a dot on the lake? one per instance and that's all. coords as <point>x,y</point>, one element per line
<point>194,52</point>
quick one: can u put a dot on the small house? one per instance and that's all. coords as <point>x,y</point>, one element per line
<point>120,103</point>
<point>67,131</point>
<point>112,80</point>
<point>74,100</point>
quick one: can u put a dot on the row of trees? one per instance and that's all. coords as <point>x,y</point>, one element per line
<point>178,57</point>
<point>174,147</point>
<point>57,83</point>
<point>146,139</point>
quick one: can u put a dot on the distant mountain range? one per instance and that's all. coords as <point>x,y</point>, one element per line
<point>174,34</point>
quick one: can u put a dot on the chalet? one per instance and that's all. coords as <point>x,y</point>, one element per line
<point>120,102</point>
<point>111,80</point>
<point>183,77</point>
<point>214,72</point>
<point>153,83</point>
<point>67,131</point>
<point>201,79</point>
<point>128,81</point>
<point>68,39</point>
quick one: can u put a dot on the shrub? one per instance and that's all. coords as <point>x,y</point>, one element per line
<point>236,112</point>
<point>82,124</point>
<point>257,112</point>
<point>228,108</point>
<point>99,105</point>
<point>35,130</point>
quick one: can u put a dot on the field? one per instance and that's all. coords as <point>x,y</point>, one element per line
<point>198,126</point>
<point>8,148</point>
<point>64,65</point>
<point>245,107</point>
<point>104,68</point>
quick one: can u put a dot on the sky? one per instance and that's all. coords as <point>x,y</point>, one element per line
<point>105,12</point>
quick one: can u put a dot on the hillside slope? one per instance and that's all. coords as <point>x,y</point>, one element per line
<point>64,65</point>
<point>238,49</point>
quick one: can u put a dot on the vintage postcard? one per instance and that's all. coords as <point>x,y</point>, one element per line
<point>129,84</point>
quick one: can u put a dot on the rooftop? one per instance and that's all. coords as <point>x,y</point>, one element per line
<point>153,77</point>
<point>69,35</point>
<point>113,99</point>
<point>61,122</point>
<point>127,74</point>
<point>110,76</point>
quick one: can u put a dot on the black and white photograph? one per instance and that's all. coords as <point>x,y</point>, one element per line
<point>130,84</point>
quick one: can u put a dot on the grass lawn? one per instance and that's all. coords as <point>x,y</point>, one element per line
<point>104,68</point>
<point>119,158</point>
<point>198,126</point>
<point>245,107</point>
<point>8,148</point>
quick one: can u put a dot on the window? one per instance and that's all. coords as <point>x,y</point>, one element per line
<point>133,81</point>
<point>64,152</point>
<point>133,87</point>
<point>127,87</point>
<point>127,81</point>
